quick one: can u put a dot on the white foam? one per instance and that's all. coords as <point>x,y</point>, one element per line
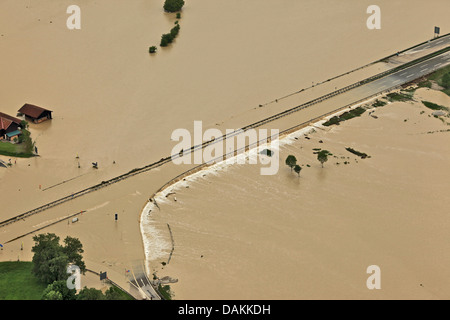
<point>156,246</point>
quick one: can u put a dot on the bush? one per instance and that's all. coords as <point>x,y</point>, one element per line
<point>345,116</point>
<point>398,96</point>
<point>359,154</point>
<point>173,5</point>
<point>379,103</point>
<point>424,84</point>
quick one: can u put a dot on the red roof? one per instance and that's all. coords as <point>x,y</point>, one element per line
<point>6,120</point>
<point>32,110</point>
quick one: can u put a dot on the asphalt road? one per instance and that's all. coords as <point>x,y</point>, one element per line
<point>384,84</point>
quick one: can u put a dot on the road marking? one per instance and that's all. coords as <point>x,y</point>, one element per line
<point>425,65</point>
<point>437,65</point>
<point>403,74</point>
<point>439,41</point>
<point>410,76</point>
<point>397,81</point>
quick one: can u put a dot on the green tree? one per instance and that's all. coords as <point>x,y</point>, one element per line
<point>297,169</point>
<point>152,49</point>
<point>58,290</point>
<point>24,124</point>
<point>73,250</point>
<point>166,39</point>
<point>291,161</point>
<point>49,262</point>
<point>174,31</point>
<point>173,5</point>
<point>322,156</point>
<point>90,294</point>
<point>52,295</point>
<point>113,293</point>
<point>50,259</point>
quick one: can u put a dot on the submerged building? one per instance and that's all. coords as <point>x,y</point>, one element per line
<point>9,127</point>
<point>35,114</point>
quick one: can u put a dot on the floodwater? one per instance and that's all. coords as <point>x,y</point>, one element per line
<point>240,235</point>
<point>117,105</point>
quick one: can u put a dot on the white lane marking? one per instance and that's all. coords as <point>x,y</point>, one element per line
<point>437,65</point>
<point>403,74</point>
<point>439,41</point>
<point>410,76</point>
<point>425,65</point>
<point>397,81</point>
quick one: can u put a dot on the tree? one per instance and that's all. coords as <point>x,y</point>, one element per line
<point>49,262</point>
<point>113,293</point>
<point>58,290</point>
<point>24,124</point>
<point>50,259</point>
<point>291,161</point>
<point>73,250</point>
<point>152,49</point>
<point>52,295</point>
<point>322,156</point>
<point>174,31</point>
<point>166,39</point>
<point>173,5</point>
<point>297,169</point>
<point>90,294</point>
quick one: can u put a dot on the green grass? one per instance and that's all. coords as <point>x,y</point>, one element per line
<point>20,150</point>
<point>165,292</point>
<point>399,96</point>
<point>18,283</point>
<point>424,84</point>
<point>439,76</point>
<point>14,150</point>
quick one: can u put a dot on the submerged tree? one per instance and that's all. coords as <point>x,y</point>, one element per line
<point>297,169</point>
<point>322,156</point>
<point>291,161</point>
<point>173,5</point>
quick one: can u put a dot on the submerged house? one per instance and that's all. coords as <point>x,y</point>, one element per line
<point>35,114</point>
<point>9,127</point>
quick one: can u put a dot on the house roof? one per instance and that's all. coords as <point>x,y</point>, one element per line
<point>6,120</point>
<point>14,133</point>
<point>32,110</point>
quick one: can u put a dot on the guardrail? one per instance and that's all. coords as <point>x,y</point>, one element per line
<point>165,160</point>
